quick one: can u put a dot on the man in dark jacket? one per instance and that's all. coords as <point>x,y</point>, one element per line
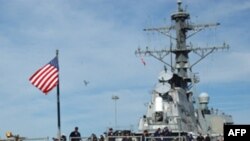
<point>75,135</point>
<point>207,138</point>
<point>200,138</point>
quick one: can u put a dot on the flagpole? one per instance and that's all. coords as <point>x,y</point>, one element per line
<point>58,104</point>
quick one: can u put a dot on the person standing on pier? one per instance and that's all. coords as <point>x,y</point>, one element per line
<point>75,135</point>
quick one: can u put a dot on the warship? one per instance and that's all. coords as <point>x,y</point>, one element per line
<point>175,104</point>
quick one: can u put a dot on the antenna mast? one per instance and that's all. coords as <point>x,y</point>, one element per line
<point>182,65</point>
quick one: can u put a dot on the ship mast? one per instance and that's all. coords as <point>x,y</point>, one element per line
<point>182,66</point>
<point>172,104</point>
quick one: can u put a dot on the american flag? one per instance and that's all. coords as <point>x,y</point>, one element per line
<point>143,62</point>
<point>47,77</point>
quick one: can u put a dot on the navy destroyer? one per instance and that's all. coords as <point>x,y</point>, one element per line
<point>174,104</point>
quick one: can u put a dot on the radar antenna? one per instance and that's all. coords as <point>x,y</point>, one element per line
<point>181,51</point>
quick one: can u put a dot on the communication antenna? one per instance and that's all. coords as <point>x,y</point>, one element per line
<point>181,25</point>
<point>162,88</point>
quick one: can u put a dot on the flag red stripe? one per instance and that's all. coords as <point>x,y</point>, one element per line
<point>49,81</point>
<point>52,85</point>
<point>41,78</point>
<point>142,60</point>
<point>47,77</point>
<point>39,74</point>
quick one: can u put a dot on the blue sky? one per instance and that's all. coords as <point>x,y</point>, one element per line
<point>96,41</point>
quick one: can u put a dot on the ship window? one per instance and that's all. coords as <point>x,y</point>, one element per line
<point>158,116</point>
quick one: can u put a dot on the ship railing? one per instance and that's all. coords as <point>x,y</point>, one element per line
<point>36,139</point>
<point>165,138</point>
<point>141,138</point>
<point>217,138</point>
<point>80,139</point>
<point>123,138</point>
<point>26,139</point>
<point>7,139</point>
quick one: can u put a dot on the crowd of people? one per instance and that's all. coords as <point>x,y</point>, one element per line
<point>159,135</point>
<point>162,134</point>
<point>200,137</point>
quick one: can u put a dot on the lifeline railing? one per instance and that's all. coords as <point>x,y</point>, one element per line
<point>148,138</point>
<point>25,139</point>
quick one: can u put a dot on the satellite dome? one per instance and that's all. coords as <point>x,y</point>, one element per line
<point>165,75</point>
<point>162,87</point>
<point>204,98</point>
<point>204,94</point>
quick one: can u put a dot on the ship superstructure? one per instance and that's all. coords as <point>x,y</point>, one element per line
<point>173,104</point>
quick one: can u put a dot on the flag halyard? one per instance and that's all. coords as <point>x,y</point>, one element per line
<point>47,77</point>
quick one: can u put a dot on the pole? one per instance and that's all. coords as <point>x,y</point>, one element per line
<point>58,104</point>
<point>115,98</point>
<point>115,116</point>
